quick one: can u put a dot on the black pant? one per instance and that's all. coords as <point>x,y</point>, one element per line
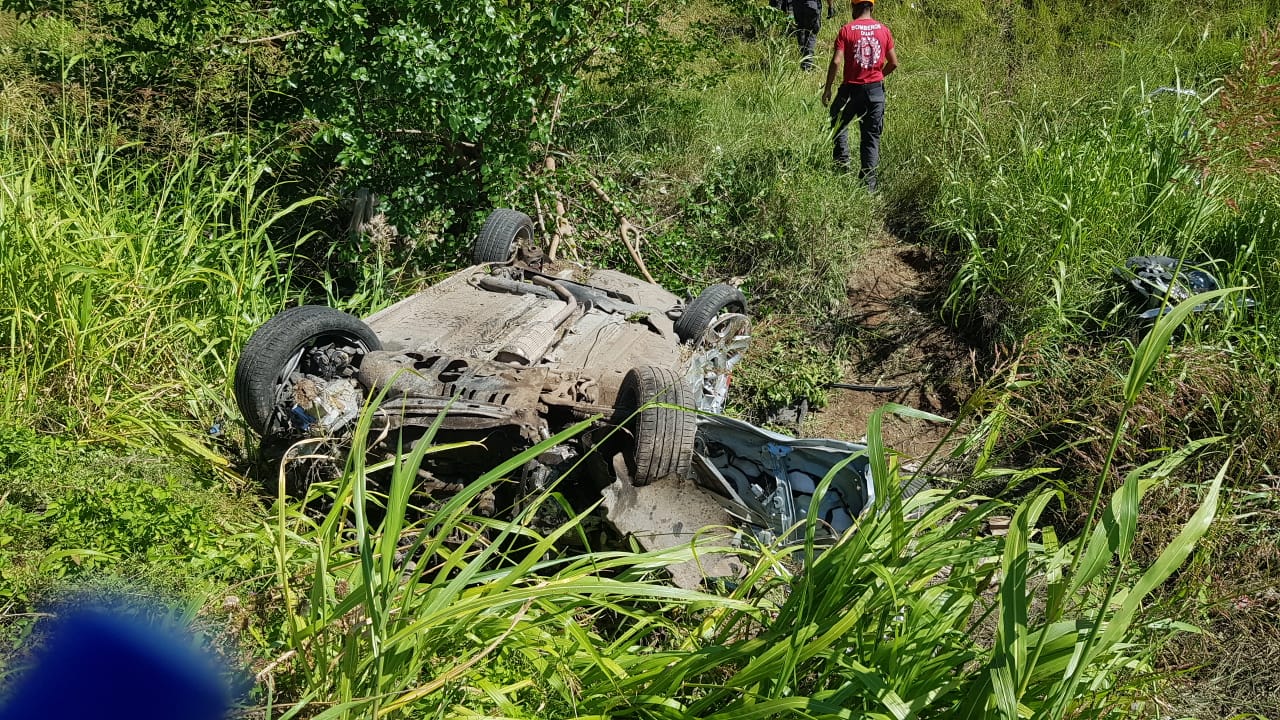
<point>865,103</point>
<point>808,16</point>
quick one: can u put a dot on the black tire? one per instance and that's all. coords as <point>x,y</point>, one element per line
<point>914,485</point>
<point>699,314</point>
<point>663,436</point>
<point>501,235</point>
<point>271,348</point>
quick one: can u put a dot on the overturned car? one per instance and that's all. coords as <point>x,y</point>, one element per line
<point>512,350</point>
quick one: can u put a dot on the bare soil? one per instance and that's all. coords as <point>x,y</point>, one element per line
<point>897,339</point>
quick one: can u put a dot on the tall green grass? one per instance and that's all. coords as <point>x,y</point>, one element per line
<point>1004,128</point>
<point>1038,205</point>
<point>394,611</point>
<point>128,282</point>
<point>1040,225</point>
<point>917,612</point>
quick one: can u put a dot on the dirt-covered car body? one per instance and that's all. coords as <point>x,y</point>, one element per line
<point>506,353</point>
<point>503,342</point>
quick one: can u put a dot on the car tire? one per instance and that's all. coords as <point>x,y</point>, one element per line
<point>273,347</point>
<point>699,314</point>
<point>913,486</point>
<point>501,235</point>
<point>663,436</point>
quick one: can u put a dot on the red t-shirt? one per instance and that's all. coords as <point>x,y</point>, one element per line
<point>865,43</point>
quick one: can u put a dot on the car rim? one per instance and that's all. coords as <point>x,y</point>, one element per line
<point>522,238</point>
<point>284,400</point>
<point>718,350</point>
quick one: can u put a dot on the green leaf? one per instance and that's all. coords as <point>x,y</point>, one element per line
<point>1152,348</point>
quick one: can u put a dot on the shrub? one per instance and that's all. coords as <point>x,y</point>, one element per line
<point>172,71</point>
<point>444,104</point>
<point>72,514</point>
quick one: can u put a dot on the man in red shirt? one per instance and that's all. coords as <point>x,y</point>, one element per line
<point>865,49</point>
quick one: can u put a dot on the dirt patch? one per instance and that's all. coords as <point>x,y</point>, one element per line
<point>890,336</point>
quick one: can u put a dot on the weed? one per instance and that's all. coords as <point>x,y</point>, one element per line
<point>91,238</point>
<point>783,367</point>
<point>91,520</point>
<point>1247,116</point>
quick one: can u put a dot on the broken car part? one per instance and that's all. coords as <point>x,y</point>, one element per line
<point>1157,283</point>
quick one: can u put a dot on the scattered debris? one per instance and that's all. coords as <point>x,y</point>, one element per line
<point>998,525</point>
<point>1157,283</point>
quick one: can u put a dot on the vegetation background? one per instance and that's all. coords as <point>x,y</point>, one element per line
<point>172,174</point>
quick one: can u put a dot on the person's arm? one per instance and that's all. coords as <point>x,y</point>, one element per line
<point>833,71</point>
<point>890,61</point>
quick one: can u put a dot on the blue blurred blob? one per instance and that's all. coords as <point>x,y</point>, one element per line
<point>107,665</point>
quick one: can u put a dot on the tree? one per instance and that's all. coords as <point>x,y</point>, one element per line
<point>439,104</point>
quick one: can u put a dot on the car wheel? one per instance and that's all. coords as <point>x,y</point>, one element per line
<point>663,436</point>
<point>501,235</point>
<point>278,348</point>
<point>713,302</point>
<point>717,325</point>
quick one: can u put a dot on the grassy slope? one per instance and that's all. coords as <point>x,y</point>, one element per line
<point>999,116</point>
<point>127,284</point>
<point>727,168</point>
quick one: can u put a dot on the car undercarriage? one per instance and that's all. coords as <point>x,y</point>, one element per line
<point>505,354</point>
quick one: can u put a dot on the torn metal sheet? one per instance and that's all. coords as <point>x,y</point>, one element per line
<point>673,513</point>
<point>750,478</point>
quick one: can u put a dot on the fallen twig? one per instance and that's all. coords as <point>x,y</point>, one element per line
<point>563,230</point>
<point>625,229</point>
<point>265,672</point>
<point>537,206</point>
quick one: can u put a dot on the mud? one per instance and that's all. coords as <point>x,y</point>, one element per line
<point>897,339</point>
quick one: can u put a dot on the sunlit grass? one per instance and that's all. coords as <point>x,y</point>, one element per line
<point>1041,224</point>
<point>919,611</point>
<point>128,282</point>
